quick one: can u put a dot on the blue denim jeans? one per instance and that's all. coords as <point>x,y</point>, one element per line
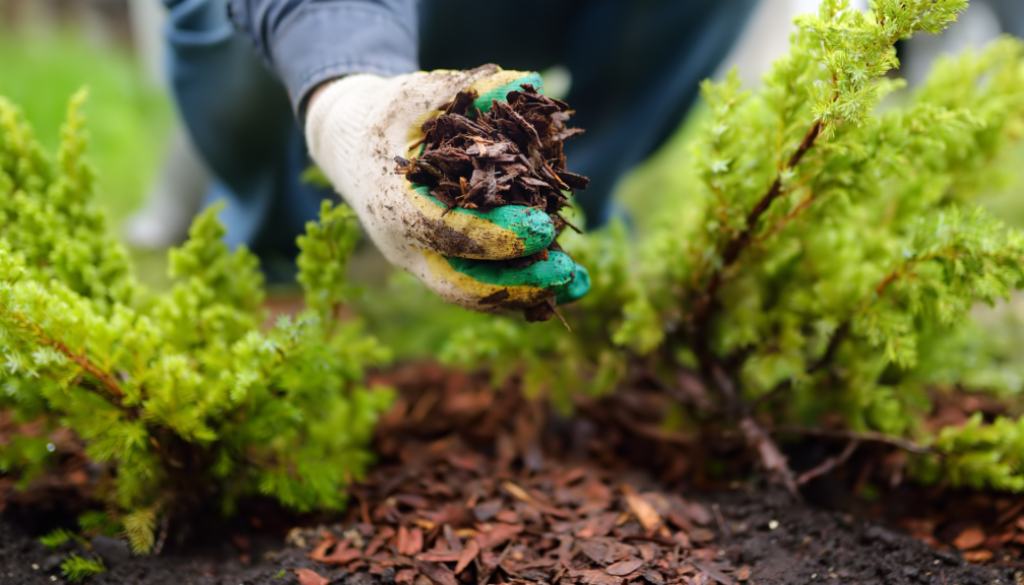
<point>635,65</point>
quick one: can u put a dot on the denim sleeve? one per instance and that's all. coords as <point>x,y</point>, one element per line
<point>308,42</point>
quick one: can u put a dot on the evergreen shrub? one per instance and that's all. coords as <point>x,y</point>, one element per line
<point>827,263</point>
<point>183,397</point>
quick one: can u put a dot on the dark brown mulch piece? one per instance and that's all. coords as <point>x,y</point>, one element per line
<point>509,155</point>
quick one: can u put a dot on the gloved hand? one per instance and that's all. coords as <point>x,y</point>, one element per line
<point>355,128</point>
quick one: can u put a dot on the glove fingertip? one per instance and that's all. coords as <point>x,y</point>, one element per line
<point>576,289</point>
<point>497,87</point>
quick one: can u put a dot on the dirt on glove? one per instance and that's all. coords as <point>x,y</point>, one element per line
<point>510,155</point>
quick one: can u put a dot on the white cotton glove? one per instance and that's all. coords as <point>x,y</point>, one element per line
<point>355,128</point>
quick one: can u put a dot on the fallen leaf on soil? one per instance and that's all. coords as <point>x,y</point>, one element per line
<point>623,568</point>
<point>308,577</point>
<point>743,573</point>
<point>978,556</point>
<point>970,538</point>
<point>468,554</point>
<point>642,509</point>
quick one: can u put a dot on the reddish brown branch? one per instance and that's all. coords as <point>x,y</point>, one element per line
<point>82,361</point>
<point>711,366</point>
<point>736,245</point>
<point>89,367</point>
<point>829,464</point>
<point>885,283</point>
<point>771,457</point>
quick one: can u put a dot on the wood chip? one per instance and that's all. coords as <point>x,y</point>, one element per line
<point>642,509</point>
<point>466,557</point>
<point>653,577</point>
<point>972,537</point>
<point>308,577</point>
<point>326,543</point>
<point>439,574</point>
<point>594,577</point>
<point>498,534</point>
<point>522,495</point>
<point>714,572</point>
<point>701,535</point>
<point>438,556</point>
<point>978,556</point>
<point>342,556</point>
<point>623,568</point>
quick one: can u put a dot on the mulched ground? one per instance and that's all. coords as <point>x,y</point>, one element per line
<point>483,487</point>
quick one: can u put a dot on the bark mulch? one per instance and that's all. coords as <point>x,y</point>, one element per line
<point>510,154</point>
<point>478,487</point>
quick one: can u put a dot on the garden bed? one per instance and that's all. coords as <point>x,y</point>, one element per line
<point>598,499</point>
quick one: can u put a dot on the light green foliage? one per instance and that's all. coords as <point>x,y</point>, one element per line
<point>184,397</point>
<point>326,248</point>
<point>831,254</point>
<point>76,568</point>
<point>96,522</point>
<point>56,538</point>
<point>130,118</point>
<point>584,356</point>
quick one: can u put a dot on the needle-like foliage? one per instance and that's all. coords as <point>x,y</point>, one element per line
<point>181,397</point>
<point>827,261</point>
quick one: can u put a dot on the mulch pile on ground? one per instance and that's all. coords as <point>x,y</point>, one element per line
<point>479,486</point>
<point>487,488</point>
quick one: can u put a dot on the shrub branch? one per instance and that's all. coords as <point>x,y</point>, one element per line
<point>82,361</point>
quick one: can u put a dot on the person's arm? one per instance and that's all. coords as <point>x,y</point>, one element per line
<point>359,58</point>
<point>308,43</point>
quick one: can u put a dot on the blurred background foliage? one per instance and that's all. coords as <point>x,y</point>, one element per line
<point>129,118</point>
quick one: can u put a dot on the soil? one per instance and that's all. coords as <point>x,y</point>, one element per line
<point>476,486</point>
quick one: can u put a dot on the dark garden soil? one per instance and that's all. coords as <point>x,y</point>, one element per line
<point>483,487</point>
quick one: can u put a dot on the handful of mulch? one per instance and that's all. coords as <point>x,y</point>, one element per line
<point>510,155</point>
